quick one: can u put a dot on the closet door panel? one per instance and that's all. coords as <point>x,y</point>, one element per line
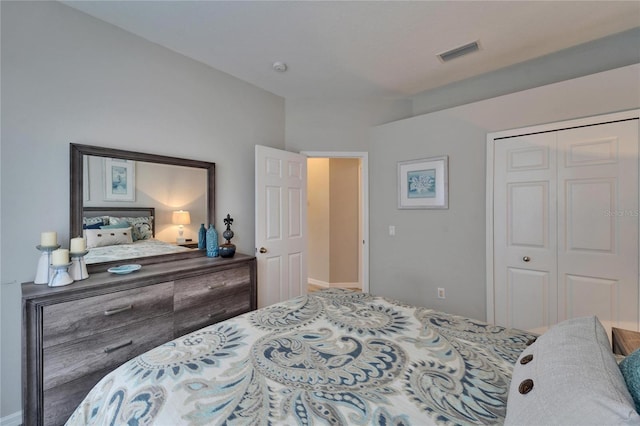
<point>598,223</point>
<point>533,287</point>
<point>588,229</point>
<point>590,296</point>
<point>524,232</point>
<point>527,214</point>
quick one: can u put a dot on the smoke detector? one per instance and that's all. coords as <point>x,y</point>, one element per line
<point>279,66</point>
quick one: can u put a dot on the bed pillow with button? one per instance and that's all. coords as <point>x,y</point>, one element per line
<point>107,237</point>
<point>569,376</point>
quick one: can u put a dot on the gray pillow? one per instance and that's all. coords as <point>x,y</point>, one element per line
<point>571,378</point>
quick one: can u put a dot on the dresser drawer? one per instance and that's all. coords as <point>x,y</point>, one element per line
<point>77,319</point>
<point>207,299</point>
<point>61,401</point>
<point>203,289</point>
<point>208,284</point>
<point>70,361</point>
<point>212,311</point>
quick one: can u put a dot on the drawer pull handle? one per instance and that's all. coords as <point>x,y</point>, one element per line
<point>108,349</point>
<point>215,286</point>
<point>118,310</point>
<point>217,314</point>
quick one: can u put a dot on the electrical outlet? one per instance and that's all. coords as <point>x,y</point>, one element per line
<point>392,230</point>
<point>441,293</point>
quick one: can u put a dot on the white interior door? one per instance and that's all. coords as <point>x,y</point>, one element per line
<point>281,236</point>
<point>598,223</point>
<point>525,232</point>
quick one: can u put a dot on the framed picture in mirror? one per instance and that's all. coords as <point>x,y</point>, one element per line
<point>120,180</point>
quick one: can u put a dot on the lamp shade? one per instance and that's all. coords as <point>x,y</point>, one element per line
<point>181,217</point>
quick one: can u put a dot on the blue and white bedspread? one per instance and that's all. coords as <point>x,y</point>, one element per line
<point>140,248</point>
<point>331,357</point>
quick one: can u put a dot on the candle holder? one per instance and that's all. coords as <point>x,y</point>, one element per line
<point>43,273</point>
<point>78,268</point>
<point>60,276</point>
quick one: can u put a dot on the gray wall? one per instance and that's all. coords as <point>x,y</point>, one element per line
<point>446,248</point>
<point>67,77</point>
<point>344,219</point>
<point>318,260</point>
<point>338,125</point>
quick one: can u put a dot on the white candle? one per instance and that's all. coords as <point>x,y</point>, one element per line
<point>60,257</point>
<point>77,245</point>
<point>49,239</point>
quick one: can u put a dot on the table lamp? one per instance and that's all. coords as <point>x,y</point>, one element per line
<point>181,218</point>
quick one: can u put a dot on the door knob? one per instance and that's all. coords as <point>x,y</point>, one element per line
<point>526,258</point>
<point>263,250</point>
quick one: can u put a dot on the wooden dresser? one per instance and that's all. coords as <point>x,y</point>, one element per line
<point>72,336</point>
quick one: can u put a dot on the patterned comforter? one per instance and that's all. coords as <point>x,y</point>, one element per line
<point>141,248</point>
<point>331,357</point>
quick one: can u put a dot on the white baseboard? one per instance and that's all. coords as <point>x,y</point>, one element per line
<point>318,282</point>
<point>14,419</point>
<point>333,285</point>
<point>345,285</point>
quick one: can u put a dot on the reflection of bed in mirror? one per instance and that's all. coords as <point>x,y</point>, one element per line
<point>120,233</point>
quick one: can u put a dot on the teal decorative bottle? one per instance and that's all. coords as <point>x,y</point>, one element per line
<point>212,241</point>
<point>202,237</point>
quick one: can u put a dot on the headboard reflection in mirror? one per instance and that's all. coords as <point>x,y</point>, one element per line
<point>123,203</point>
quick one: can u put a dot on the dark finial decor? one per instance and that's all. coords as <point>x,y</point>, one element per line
<point>227,249</point>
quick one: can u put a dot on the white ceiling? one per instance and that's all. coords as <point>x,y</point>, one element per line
<point>360,49</point>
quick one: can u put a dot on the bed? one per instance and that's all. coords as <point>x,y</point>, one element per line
<point>117,233</point>
<point>136,249</point>
<point>332,357</point>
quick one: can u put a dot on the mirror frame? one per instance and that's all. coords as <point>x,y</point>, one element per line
<point>77,153</point>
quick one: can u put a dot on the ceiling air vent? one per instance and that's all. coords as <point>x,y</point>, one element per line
<point>459,51</point>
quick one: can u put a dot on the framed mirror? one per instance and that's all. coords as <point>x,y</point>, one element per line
<point>135,207</point>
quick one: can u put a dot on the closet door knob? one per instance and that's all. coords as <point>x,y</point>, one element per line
<point>526,258</point>
<point>263,250</point>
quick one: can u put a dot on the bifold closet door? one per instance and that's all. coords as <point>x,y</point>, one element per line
<point>598,223</point>
<point>566,227</point>
<point>525,261</point>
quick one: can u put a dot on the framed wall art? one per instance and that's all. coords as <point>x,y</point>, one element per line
<point>423,184</point>
<point>120,180</point>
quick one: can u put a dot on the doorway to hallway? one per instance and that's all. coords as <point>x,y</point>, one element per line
<point>337,225</point>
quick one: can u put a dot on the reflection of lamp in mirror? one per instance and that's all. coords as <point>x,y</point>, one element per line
<point>181,218</point>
